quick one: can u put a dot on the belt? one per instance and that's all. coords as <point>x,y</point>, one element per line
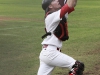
<point>45,46</point>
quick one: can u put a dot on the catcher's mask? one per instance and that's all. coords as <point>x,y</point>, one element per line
<point>45,4</point>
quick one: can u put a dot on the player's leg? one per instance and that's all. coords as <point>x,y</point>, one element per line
<point>63,60</point>
<point>45,69</point>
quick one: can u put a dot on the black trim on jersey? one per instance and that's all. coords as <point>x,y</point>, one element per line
<point>45,35</point>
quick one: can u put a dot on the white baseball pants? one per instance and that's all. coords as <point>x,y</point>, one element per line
<point>50,57</point>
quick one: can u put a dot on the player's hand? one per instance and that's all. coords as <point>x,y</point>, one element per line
<point>71,3</point>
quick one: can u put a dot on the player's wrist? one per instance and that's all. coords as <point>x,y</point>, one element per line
<point>67,7</point>
<point>71,3</point>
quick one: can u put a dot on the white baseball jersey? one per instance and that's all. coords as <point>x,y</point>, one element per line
<point>51,22</point>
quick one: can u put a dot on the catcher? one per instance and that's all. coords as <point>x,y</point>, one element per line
<point>56,15</point>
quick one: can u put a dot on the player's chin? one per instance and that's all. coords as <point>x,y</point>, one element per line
<point>59,6</point>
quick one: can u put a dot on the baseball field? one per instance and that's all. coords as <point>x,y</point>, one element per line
<point>21,28</point>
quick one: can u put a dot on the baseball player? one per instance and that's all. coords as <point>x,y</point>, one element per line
<point>56,15</point>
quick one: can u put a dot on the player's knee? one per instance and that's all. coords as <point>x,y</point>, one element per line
<point>77,68</point>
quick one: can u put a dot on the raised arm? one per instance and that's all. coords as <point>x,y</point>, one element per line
<point>68,7</point>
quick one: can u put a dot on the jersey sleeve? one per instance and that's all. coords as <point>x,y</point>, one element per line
<point>52,21</point>
<point>54,17</point>
<point>65,9</point>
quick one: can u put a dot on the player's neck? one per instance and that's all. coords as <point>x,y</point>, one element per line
<point>53,10</point>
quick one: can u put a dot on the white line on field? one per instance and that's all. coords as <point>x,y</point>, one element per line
<point>15,28</point>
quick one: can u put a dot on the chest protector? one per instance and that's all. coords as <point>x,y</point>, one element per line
<point>61,32</point>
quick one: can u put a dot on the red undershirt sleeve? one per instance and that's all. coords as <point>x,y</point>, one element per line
<point>72,9</point>
<point>65,9</point>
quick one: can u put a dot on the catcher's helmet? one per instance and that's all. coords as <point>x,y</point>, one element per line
<point>45,4</point>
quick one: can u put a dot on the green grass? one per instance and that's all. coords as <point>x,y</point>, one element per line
<point>21,28</point>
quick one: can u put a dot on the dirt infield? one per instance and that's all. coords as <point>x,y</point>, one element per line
<point>19,19</point>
